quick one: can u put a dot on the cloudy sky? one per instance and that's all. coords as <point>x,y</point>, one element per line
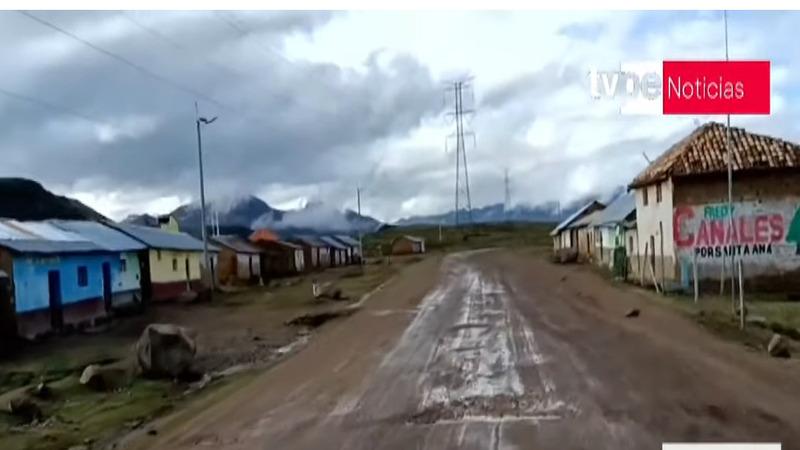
<point>311,105</point>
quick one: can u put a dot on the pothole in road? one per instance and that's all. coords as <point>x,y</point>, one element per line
<point>489,409</point>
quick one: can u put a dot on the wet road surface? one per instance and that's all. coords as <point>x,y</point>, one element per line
<point>493,350</point>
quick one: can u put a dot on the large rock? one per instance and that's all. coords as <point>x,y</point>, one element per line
<point>24,407</point>
<point>778,347</point>
<point>165,350</point>
<point>106,378</point>
<point>566,255</point>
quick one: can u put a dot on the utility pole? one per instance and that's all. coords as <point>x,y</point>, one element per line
<point>462,190</point>
<point>358,226</point>
<point>198,121</point>
<point>729,154</point>
<point>507,202</point>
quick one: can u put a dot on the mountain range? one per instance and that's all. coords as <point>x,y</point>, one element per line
<point>238,214</point>
<point>497,213</point>
<point>25,199</point>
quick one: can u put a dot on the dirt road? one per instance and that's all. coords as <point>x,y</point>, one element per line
<point>496,349</point>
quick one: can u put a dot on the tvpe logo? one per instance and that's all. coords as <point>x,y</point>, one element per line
<point>686,87</point>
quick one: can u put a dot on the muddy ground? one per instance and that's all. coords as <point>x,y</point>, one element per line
<point>499,349</point>
<point>236,331</point>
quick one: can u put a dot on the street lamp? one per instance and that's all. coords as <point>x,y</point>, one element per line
<point>204,121</point>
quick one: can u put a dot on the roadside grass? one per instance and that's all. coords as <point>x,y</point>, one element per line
<point>77,413</point>
<point>464,238</point>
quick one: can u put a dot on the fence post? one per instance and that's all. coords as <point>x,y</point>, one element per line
<point>694,277</point>
<point>742,313</point>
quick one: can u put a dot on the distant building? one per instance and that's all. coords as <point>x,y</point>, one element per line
<point>171,264</point>
<point>682,213</point>
<point>338,251</point>
<point>57,278</point>
<point>317,253</point>
<point>565,234</point>
<point>610,226</point>
<point>239,261</point>
<point>404,245</point>
<point>353,246</point>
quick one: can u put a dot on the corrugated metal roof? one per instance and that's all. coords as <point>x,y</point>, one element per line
<point>346,240</point>
<point>333,242</point>
<point>158,238</point>
<point>413,238</point>
<point>290,245</point>
<point>101,235</point>
<point>703,152</point>
<point>575,216</point>
<point>617,211</point>
<point>42,237</point>
<point>312,241</point>
<point>586,220</point>
<point>235,243</point>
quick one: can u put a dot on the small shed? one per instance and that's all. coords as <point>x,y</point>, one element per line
<point>404,245</point>
<point>239,261</point>
<point>609,231</point>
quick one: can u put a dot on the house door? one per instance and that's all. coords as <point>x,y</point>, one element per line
<point>54,293</point>
<point>8,324</point>
<point>107,286</point>
<point>188,275</point>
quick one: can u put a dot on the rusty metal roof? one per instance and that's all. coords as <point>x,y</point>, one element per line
<point>235,243</point>
<point>703,152</point>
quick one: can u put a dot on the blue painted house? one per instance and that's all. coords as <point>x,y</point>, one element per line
<point>122,257</point>
<point>51,277</point>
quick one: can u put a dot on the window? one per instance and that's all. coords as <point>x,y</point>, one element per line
<point>83,276</point>
<point>644,195</point>
<point>658,193</point>
<point>158,255</point>
<point>123,265</point>
<point>174,264</point>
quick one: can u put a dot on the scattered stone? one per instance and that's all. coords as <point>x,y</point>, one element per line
<point>632,313</point>
<point>25,408</point>
<point>256,338</point>
<point>738,312</point>
<point>152,432</point>
<point>760,321</point>
<point>42,391</point>
<point>106,378</point>
<point>778,347</point>
<point>564,278</point>
<point>566,255</point>
<point>78,447</point>
<point>165,350</point>
<point>88,441</point>
<point>134,424</point>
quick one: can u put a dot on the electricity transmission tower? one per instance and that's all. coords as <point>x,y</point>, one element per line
<point>463,201</point>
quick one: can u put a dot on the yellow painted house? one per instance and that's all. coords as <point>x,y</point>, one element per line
<point>173,261</point>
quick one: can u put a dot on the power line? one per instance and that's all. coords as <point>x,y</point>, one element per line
<point>124,60</point>
<point>246,32</point>
<point>175,45</point>
<point>58,109</point>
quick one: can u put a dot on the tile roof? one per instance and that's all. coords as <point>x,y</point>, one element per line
<point>42,237</point>
<point>103,236</point>
<point>235,243</point>
<point>703,152</point>
<point>158,238</point>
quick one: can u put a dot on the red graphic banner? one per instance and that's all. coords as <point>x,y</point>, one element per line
<point>716,87</point>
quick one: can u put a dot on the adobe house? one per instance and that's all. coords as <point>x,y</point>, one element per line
<point>56,278</point>
<point>405,245</point>
<point>564,234</point>
<point>682,212</point>
<point>239,261</point>
<point>172,263</point>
